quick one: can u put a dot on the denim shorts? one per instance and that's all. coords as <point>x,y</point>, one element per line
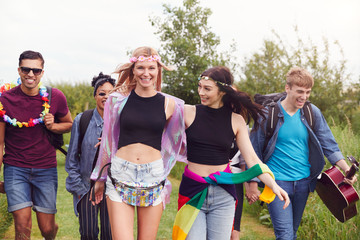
<point>31,187</point>
<point>138,175</point>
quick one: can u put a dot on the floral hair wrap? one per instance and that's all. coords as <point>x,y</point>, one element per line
<point>209,78</point>
<point>152,58</point>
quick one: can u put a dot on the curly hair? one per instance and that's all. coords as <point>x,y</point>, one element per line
<point>98,81</point>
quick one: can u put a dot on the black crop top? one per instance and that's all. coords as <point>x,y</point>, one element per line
<point>210,136</point>
<point>142,120</point>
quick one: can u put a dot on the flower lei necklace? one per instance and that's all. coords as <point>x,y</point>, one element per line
<point>31,122</point>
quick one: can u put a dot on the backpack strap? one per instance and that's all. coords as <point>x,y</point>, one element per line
<point>273,118</point>
<point>62,150</point>
<point>309,116</point>
<point>49,91</point>
<point>96,157</point>
<point>83,125</point>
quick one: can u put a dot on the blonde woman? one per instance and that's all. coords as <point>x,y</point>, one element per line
<point>143,137</point>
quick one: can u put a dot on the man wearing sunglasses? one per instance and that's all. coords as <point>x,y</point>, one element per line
<point>30,174</point>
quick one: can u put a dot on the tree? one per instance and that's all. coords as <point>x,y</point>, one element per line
<point>189,45</point>
<point>265,72</point>
<point>352,105</point>
<point>79,96</point>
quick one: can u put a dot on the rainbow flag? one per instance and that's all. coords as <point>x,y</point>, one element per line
<point>189,206</point>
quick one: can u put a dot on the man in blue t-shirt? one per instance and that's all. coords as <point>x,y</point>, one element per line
<point>30,174</point>
<point>295,152</point>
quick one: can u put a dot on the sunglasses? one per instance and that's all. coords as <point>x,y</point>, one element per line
<point>26,70</point>
<point>102,94</point>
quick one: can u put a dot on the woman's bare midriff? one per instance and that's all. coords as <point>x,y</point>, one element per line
<point>138,153</point>
<point>205,170</point>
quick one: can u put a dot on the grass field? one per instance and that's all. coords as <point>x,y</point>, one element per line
<point>317,222</point>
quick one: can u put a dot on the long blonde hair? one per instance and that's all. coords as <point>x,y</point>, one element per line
<point>126,81</point>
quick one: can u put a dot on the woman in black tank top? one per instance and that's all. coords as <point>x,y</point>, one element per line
<point>210,129</point>
<point>137,140</point>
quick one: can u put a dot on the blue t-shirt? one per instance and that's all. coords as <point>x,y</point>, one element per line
<point>289,161</point>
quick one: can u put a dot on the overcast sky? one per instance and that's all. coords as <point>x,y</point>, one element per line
<point>80,38</point>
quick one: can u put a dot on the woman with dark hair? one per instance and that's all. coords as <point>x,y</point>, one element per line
<point>142,139</point>
<point>80,162</point>
<point>207,185</point>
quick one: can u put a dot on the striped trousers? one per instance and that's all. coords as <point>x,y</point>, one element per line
<point>88,219</point>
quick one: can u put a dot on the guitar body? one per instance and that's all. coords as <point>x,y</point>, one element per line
<point>340,198</point>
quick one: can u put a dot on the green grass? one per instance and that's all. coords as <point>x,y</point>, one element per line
<point>65,216</point>
<point>6,218</point>
<point>252,230</point>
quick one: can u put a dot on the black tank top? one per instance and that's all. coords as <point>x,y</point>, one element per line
<point>210,136</point>
<point>142,120</point>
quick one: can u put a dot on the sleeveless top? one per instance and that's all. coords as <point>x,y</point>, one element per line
<point>142,121</point>
<point>210,136</point>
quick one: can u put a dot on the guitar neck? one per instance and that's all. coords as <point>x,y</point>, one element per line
<point>352,171</point>
<point>354,167</point>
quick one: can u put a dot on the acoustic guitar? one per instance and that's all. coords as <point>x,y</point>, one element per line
<point>339,197</point>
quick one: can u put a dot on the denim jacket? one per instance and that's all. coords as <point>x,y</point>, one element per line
<point>321,142</point>
<point>80,168</point>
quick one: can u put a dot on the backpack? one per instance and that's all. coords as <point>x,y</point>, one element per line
<point>83,125</point>
<point>270,101</point>
<point>55,139</point>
